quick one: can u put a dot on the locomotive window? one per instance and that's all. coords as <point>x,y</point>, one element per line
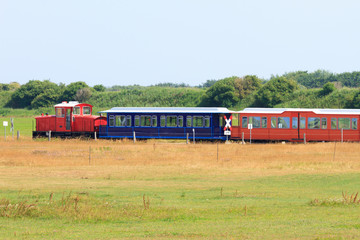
<point>76,110</point>
<point>333,123</point>
<point>188,121</point>
<point>313,123</point>
<point>86,111</point>
<point>171,121</point>
<point>162,121</point>
<point>294,122</point>
<point>344,123</point>
<point>154,121</point>
<point>198,121</point>
<point>181,121</point>
<point>121,121</point>
<point>111,120</point>
<point>302,122</point>
<point>244,122</point>
<point>354,123</point>
<point>255,121</point>
<point>60,112</point>
<point>128,120</point>
<point>207,121</point>
<point>264,122</point>
<point>323,123</point>
<point>145,121</point>
<point>137,121</point>
<point>283,122</point>
<point>273,122</point>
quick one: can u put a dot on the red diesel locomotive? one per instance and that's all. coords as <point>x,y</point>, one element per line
<point>71,119</point>
<point>296,124</point>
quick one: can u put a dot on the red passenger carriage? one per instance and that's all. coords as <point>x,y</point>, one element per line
<point>295,124</point>
<point>70,119</point>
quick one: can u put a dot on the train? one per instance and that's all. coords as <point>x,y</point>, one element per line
<point>201,123</point>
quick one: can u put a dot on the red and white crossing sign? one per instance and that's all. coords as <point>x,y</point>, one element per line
<point>227,123</point>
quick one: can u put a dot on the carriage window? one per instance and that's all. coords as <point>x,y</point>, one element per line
<point>60,112</point>
<point>294,122</point>
<point>207,121</point>
<point>171,121</point>
<point>323,123</point>
<point>154,121</point>
<point>244,122</point>
<point>333,123</point>
<point>128,121</point>
<point>313,123</point>
<point>264,122</point>
<point>283,122</point>
<point>354,123</point>
<point>137,121</point>
<point>255,121</point>
<point>273,122</point>
<point>181,121</point>
<point>145,121</point>
<point>198,121</point>
<point>188,121</point>
<point>302,122</point>
<point>121,121</point>
<point>86,111</point>
<point>162,121</point>
<point>221,120</point>
<point>344,123</point>
<point>111,121</point>
<point>235,120</point>
<point>76,111</point>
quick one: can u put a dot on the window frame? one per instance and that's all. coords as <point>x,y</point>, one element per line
<point>173,117</point>
<point>202,121</point>
<point>86,107</point>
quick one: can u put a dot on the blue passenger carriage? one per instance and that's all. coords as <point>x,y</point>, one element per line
<point>166,122</point>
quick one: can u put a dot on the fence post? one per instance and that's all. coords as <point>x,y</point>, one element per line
<point>134,136</point>
<point>18,135</point>
<point>194,135</point>
<point>250,135</point>
<point>95,136</point>
<point>342,135</point>
<point>217,152</point>
<point>187,138</point>
<point>304,138</point>
<point>49,135</point>
<point>242,141</point>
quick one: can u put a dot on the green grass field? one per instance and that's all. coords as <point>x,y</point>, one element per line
<point>151,190</point>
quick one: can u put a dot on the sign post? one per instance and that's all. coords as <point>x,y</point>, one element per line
<point>5,124</point>
<point>250,126</point>
<point>227,128</point>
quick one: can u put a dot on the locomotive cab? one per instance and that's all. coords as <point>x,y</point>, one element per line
<point>70,119</point>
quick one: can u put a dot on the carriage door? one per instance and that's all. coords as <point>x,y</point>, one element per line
<point>68,119</point>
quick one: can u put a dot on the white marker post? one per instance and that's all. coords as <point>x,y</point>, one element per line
<point>250,126</point>
<point>5,124</point>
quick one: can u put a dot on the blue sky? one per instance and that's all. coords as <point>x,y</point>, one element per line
<point>116,42</point>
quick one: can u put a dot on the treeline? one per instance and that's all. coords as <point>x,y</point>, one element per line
<point>319,89</point>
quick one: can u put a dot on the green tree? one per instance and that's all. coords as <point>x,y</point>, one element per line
<point>99,88</point>
<point>327,89</point>
<point>247,85</point>
<point>274,92</point>
<point>83,95</point>
<point>24,96</point>
<point>222,93</point>
<point>71,89</point>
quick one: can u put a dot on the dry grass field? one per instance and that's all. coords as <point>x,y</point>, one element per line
<point>159,190</point>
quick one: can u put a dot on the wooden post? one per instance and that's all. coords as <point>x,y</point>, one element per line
<point>95,136</point>
<point>217,155</point>
<point>134,136</point>
<point>342,135</point>
<point>304,138</point>
<point>49,135</point>
<point>250,135</point>
<point>89,155</point>
<point>242,141</point>
<point>193,135</point>
<point>187,138</point>
<point>18,135</point>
